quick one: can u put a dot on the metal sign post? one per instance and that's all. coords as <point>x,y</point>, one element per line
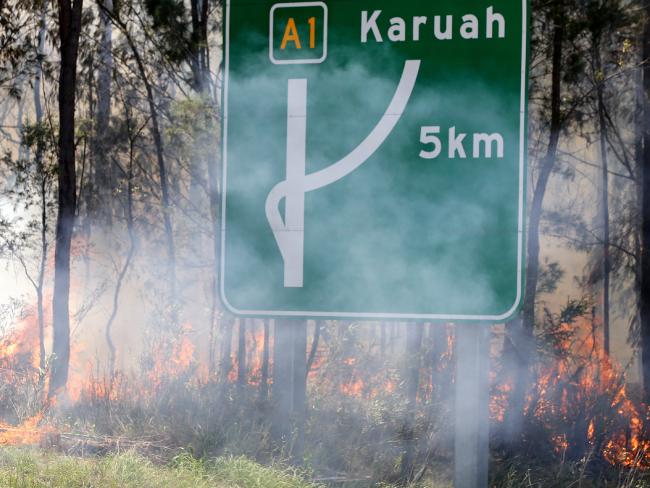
<point>471,449</point>
<point>288,390</point>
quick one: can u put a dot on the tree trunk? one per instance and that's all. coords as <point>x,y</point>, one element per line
<point>199,57</point>
<point>19,123</point>
<point>200,66</point>
<point>112,350</point>
<point>392,337</point>
<point>104,178</point>
<point>264,382</point>
<point>521,334</point>
<point>212,342</point>
<point>602,127</point>
<point>645,214</point>
<point>314,346</point>
<point>438,348</point>
<point>69,30</point>
<point>241,354</point>
<point>226,349</point>
<point>160,158</point>
<point>546,169</point>
<point>215,207</point>
<point>40,149</point>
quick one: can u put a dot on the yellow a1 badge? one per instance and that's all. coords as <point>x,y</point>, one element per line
<point>298,33</point>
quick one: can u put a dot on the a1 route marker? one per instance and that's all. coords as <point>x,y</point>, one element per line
<point>374,158</point>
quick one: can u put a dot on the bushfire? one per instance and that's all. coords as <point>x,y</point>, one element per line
<point>581,399</point>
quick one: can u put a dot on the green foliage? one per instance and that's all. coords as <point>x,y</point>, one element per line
<point>549,276</point>
<point>558,328</point>
<point>29,186</point>
<point>170,23</point>
<point>17,56</point>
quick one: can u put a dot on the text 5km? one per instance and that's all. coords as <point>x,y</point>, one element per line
<point>483,145</point>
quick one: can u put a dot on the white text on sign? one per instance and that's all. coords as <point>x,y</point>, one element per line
<point>440,27</point>
<point>483,145</point>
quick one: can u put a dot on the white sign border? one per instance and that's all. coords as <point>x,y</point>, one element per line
<point>381,316</point>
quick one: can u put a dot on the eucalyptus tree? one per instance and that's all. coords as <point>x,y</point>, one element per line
<point>104,173</point>
<point>69,13</point>
<point>556,68</point>
<point>645,208</point>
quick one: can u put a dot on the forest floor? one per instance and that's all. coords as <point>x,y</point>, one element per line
<point>30,467</point>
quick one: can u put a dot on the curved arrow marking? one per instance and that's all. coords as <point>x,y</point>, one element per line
<point>289,232</point>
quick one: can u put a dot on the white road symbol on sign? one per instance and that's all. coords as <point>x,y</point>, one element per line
<point>290,232</point>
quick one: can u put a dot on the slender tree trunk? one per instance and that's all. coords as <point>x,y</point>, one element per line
<point>164,187</point>
<point>210,158</point>
<point>639,131</point>
<point>299,380</point>
<point>414,334</point>
<point>515,364</point>
<point>104,180</point>
<point>200,65</point>
<point>599,77</point>
<point>69,30</point>
<point>264,383</point>
<point>40,149</point>
<point>108,331</point>
<point>200,83</point>
<point>86,196</point>
<point>547,165</point>
<point>521,333</point>
<point>645,213</point>
<point>213,185</point>
<point>199,58</point>
<point>212,345</point>
<point>393,337</point>
<point>40,298</point>
<point>226,349</point>
<point>438,348</point>
<point>314,346</point>
<point>19,123</point>
<point>241,354</point>
<point>160,158</point>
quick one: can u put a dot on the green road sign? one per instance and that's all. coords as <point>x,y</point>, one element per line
<point>374,156</point>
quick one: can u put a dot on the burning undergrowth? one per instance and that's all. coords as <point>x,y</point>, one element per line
<point>581,406</point>
<point>358,409</point>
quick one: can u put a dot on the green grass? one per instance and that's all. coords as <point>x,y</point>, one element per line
<point>27,468</point>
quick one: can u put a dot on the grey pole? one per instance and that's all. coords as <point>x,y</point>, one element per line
<point>288,390</point>
<point>471,449</point>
